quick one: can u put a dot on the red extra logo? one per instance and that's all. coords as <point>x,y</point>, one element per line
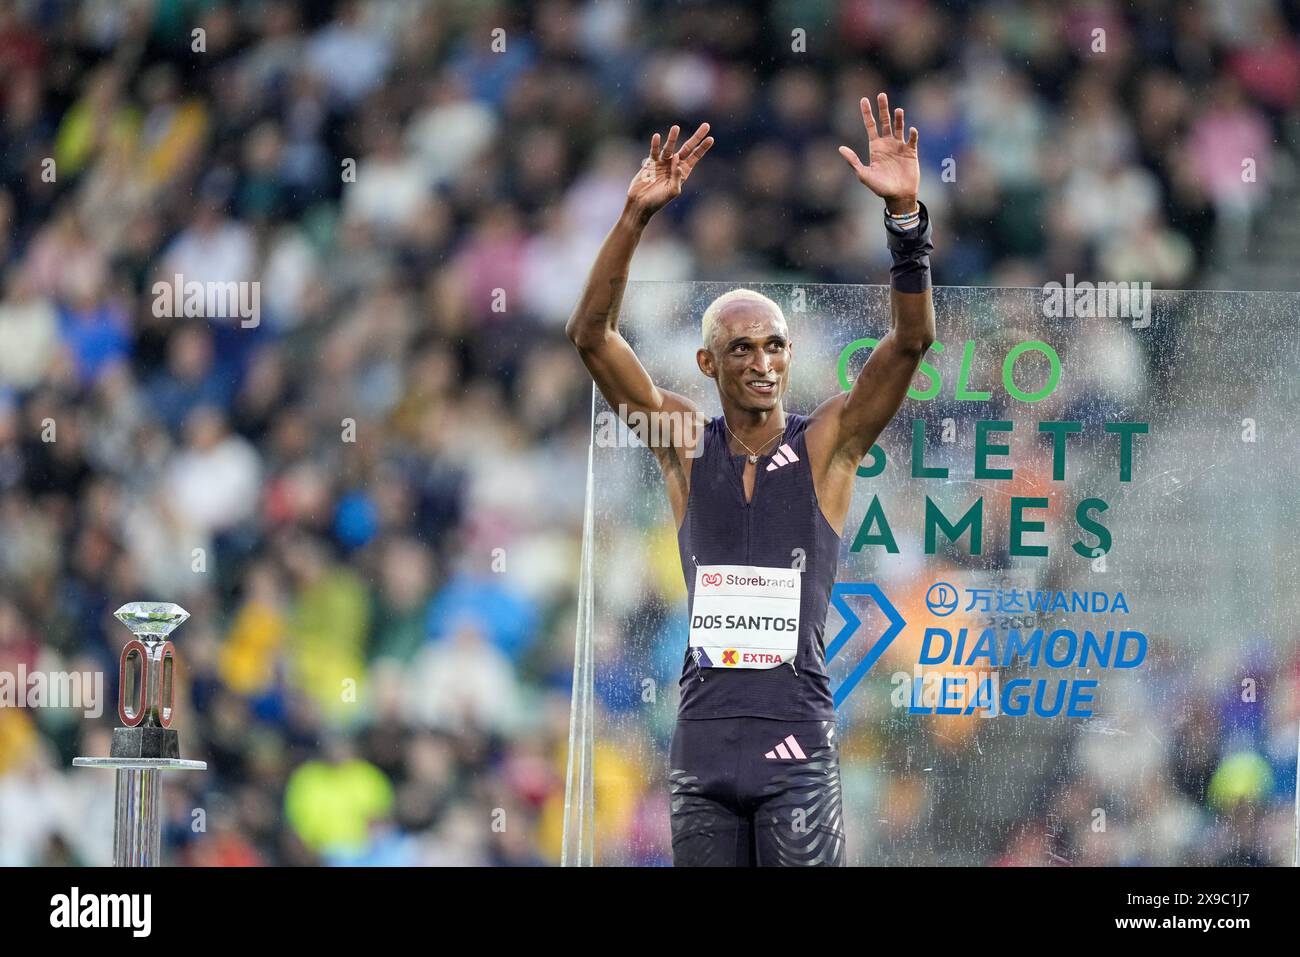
<point>712,578</point>
<point>729,656</point>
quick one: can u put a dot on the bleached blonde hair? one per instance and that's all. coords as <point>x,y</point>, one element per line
<point>709,322</point>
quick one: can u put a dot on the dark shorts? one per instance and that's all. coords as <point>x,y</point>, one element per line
<point>756,792</point>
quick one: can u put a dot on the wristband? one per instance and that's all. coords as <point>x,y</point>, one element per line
<point>908,236</point>
<point>904,220</point>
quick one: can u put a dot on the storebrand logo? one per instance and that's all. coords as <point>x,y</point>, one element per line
<point>762,581</point>
<point>712,578</point>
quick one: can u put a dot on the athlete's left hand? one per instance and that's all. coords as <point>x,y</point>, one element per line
<point>894,173</point>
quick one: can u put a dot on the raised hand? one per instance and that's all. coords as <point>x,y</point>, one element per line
<point>665,169</point>
<point>894,173</point>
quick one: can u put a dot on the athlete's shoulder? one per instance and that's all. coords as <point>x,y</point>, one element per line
<point>709,434</point>
<point>795,424</point>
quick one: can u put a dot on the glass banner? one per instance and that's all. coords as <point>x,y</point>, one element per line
<point>1064,629</point>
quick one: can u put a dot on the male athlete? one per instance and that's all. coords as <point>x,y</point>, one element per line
<point>760,496</point>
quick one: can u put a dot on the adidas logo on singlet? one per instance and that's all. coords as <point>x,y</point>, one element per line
<point>784,456</point>
<point>783,753</point>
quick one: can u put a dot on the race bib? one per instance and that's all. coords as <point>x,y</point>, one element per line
<point>745,616</point>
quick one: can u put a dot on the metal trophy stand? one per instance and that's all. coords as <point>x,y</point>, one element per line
<point>146,744</point>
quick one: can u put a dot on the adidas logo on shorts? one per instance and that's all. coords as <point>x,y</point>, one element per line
<point>787,750</point>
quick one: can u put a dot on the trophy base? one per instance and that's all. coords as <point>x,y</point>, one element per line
<point>141,764</point>
<point>145,742</point>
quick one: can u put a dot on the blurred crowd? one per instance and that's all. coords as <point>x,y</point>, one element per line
<point>367,489</point>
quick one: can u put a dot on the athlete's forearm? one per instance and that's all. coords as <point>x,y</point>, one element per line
<point>596,314</point>
<point>912,320</point>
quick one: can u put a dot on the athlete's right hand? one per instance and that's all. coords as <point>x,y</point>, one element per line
<point>665,169</point>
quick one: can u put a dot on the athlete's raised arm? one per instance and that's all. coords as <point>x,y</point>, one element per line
<point>593,327</point>
<point>843,428</point>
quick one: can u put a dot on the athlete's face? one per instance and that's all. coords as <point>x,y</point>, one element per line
<point>749,355</point>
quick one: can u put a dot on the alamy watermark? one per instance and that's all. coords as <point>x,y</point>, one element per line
<point>939,691</point>
<point>654,429</point>
<point>1089,300</point>
<point>83,690</point>
<point>133,912</point>
<point>212,300</point>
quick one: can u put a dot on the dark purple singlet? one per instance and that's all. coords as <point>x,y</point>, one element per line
<point>721,528</point>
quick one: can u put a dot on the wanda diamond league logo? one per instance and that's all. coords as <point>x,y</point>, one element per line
<point>852,622</point>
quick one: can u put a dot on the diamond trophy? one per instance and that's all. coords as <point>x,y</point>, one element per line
<point>145,744</point>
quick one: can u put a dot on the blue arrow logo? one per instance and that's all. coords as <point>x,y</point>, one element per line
<point>852,622</point>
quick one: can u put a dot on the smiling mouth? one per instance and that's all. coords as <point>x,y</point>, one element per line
<point>762,386</point>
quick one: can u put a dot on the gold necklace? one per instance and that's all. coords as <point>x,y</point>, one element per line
<point>753,455</point>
